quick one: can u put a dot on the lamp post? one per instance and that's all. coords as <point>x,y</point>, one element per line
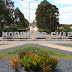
<point>29,10</point>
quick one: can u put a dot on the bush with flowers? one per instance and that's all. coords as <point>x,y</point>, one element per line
<point>36,62</point>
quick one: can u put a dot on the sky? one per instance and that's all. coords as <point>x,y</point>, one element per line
<point>64,6</point>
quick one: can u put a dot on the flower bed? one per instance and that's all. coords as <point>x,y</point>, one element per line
<point>34,62</point>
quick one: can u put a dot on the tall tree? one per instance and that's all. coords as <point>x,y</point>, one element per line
<point>47,16</point>
<point>6,12</point>
<point>2,13</point>
<point>20,19</point>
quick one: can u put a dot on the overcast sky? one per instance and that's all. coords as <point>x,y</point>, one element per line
<point>64,6</point>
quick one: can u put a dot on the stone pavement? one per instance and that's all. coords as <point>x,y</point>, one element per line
<point>52,44</point>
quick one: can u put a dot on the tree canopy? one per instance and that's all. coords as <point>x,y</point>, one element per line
<point>10,16</point>
<point>47,16</point>
<point>20,19</point>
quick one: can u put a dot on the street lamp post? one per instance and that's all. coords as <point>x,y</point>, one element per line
<point>29,15</point>
<point>29,10</point>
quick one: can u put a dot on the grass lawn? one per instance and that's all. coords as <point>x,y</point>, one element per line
<point>68,44</point>
<point>14,53</point>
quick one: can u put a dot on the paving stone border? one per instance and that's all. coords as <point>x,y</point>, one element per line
<point>3,44</point>
<point>64,45</point>
<point>55,49</point>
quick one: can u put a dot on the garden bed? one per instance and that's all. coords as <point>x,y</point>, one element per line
<point>35,50</point>
<point>32,48</point>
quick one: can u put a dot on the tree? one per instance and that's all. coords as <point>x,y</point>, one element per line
<point>2,13</point>
<point>20,19</point>
<point>11,17</point>
<point>64,28</point>
<point>6,12</point>
<point>47,16</point>
<point>33,24</point>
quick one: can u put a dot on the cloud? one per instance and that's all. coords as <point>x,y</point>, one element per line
<point>64,18</point>
<point>65,15</point>
<point>27,0</point>
<point>26,4</point>
<point>26,14</point>
<point>25,11</point>
<point>32,5</point>
<point>63,1</point>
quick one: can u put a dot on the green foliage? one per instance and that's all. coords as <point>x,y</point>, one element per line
<point>10,29</point>
<point>20,19</point>
<point>32,48</point>
<point>64,28</point>
<point>31,62</point>
<point>46,68</point>
<point>0,34</point>
<point>68,44</point>
<point>47,16</point>
<point>6,12</point>
<point>22,30</point>
<point>15,64</point>
<point>13,18</point>
<point>41,30</point>
<point>35,62</point>
<point>47,60</point>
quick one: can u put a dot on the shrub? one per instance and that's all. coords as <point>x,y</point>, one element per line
<point>31,61</point>
<point>35,62</point>
<point>15,64</point>
<point>23,30</point>
<point>23,53</point>
<point>41,30</point>
<point>46,68</point>
<point>47,60</point>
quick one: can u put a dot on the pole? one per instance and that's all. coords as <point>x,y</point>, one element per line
<point>29,15</point>
<point>29,12</point>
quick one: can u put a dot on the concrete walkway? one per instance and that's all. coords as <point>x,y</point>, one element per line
<point>58,47</point>
<point>44,43</point>
<point>9,46</point>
